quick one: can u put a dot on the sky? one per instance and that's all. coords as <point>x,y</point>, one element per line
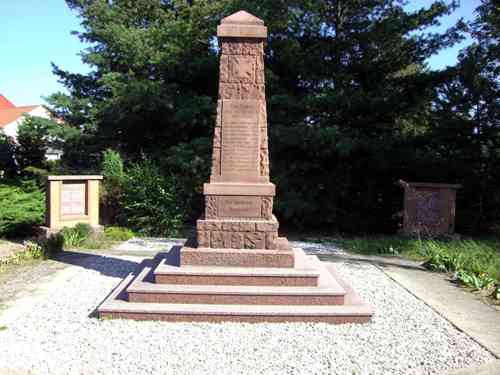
<point>35,33</point>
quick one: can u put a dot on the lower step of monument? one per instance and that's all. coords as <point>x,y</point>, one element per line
<point>332,301</point>
<point>327,292</point>
<point>303,274</point>
<point>237,257</point>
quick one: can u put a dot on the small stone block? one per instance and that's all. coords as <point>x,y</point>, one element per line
<point>213,225</point>
<point>271,240</point>
<point>283,243</point>
<point>247,227</point>
<point>267,227</point>
<point>203,237</point>
<point>227,237</point>
<point>254,240</point>
<point>231,226</point>
<point>217,239</point>
<point>237,240</point>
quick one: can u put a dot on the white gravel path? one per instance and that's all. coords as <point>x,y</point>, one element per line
<point>51,333</point>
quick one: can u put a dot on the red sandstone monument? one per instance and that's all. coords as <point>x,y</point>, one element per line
<point>429,208</point>
<point>237,268</point>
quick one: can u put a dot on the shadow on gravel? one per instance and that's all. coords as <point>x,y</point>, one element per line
<point>171,257</point>
<point>115,267</point>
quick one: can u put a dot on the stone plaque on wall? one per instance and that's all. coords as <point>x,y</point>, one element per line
<point>234,206</point>
<point>240,140</point>
<point>73,198</point>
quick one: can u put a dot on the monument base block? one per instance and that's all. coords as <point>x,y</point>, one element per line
<point>236,257</point>
<point>309,291</point>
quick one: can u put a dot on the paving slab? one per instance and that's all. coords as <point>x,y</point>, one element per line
<point>489,368</point>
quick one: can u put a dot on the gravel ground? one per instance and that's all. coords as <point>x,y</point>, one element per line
<point>318,248</point>
<point>51,333</point>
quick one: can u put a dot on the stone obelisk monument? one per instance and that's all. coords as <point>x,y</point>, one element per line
<point>237,268</point>
<point>239,196</point>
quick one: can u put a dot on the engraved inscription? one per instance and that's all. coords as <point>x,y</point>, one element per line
<point>73,200</point>
<point>240,138</point>
<point>235,206</point>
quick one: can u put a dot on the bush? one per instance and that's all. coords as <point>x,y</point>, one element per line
<point>8,168</point>
<point>151,200</point>
<point>118,233</point>
<point>22,207</point>
<point>114,175</point>
<point>54,244</point>
<point>76,236</point>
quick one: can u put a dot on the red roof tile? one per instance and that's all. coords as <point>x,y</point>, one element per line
<point>5,103</point>
<point>12,114</point>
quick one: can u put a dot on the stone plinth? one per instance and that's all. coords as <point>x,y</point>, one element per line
<point>429,208</point>
<point>71,200</point>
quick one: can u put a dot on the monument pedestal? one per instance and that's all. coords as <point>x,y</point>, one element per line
<point>307,292</point>
<point>237,268</point>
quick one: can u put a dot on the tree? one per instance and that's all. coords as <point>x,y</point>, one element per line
<point>466,131</point>
<point>345,81</point>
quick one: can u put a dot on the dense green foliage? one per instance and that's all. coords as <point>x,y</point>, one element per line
<point>22,207</point>
<point>35,136</point>
<point>8,166</point>
<point>150,200</point>
<point>114,176</point>
<point>75,236</point>
<point>352,107</point>
<point>141,197</point>
<point>118,233</point>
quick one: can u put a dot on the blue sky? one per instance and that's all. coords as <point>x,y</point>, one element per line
<point>36,33</point>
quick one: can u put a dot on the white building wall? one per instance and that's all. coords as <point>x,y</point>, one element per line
<point>11,129</point>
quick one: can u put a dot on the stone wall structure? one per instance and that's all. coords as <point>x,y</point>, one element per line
<point>71,200</point>
<point>429,208</point>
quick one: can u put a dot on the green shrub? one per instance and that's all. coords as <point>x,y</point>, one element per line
<point>118,233</point>
<point>8,166</point>
<point>54,244</point>
<point>76,236</point>
<point>151,200</point>
<point>22,207</point>
<point>112,186</point>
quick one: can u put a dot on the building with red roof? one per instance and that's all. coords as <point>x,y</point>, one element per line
<point>12,116</point>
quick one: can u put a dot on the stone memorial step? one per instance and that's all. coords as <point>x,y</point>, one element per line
<point>303,274</point>
<point>327,292</point>
<point>191,256</point>
<point>117,306</point>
